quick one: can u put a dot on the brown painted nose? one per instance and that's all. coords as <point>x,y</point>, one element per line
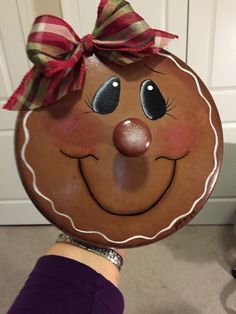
<point>132,137</point>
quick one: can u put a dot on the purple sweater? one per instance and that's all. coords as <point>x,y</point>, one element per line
<point>60,285</point>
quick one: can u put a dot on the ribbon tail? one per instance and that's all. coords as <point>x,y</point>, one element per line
<point>37,91</point>
<point>17,100</point>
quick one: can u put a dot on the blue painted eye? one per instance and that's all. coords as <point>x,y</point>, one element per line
<point>107,96</point>
<point>153,103</point>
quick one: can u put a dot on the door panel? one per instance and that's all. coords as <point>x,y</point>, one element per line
<point>224,50</point>
<point>16,17</point>
<point>162,14</point>
<point>212,54</point>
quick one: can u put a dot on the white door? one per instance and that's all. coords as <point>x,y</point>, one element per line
<point>212,53</point>
<point>166,15</point>
<point>16,17</point>
<point>200,51</point>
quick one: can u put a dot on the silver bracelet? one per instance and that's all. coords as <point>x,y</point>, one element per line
<point>111,255</point>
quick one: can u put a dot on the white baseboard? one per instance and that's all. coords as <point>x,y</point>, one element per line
<point>20,212</point>
<point>217,211</point>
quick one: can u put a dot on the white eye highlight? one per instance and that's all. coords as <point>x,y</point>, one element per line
<point>115,84</point>
<point>150,87</point>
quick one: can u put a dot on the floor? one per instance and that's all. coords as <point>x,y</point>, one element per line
<point>186,273</point>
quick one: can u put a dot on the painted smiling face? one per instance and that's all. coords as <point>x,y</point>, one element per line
<point>128,160</point>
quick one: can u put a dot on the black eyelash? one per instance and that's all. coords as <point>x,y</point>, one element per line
<point>88,101</point>
<point>169,108</point>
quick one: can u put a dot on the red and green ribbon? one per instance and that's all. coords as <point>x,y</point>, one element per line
<point>120,36</point>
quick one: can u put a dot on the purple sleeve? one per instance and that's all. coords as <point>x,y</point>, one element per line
<point>61,285</point>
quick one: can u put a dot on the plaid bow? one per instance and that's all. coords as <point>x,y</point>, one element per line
<point>120,36</point>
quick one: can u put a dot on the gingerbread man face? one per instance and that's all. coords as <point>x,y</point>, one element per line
<point>130,158</point>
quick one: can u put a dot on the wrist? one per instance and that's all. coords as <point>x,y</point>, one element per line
<point>96,262</point>
<point>108,253</point>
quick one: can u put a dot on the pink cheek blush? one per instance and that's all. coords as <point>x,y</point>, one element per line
<point>83,130</point>
<point>174,140</point>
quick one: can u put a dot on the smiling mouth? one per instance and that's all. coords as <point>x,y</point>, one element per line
<point>80,159</point>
